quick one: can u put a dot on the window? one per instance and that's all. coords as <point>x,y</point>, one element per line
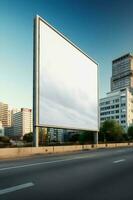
<point>117,117</point>
<point>123,116</point>
<point>123,104</point>
<point>123,121</point>
<point>117,106</point>
<point>117,100</point>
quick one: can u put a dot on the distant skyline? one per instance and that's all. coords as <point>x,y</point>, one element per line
<point>102,29</point>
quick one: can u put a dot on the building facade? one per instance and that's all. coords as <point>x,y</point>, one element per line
<point>118,104</point>
<point>9,131</point>
<point>56,135</point>
<point>13,111</point>
<point>4,114</point>
<point>22,122</point>
<point>9,118</point>
<point>122,72</point>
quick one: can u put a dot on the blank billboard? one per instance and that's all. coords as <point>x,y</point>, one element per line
<point>67,82</point>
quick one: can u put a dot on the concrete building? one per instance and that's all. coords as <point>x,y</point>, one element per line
<point>56,135</point>
<point>60,135</point>
<point>1,129</point>
<point>118,104</point>
<point>9,131</point>
<point>122,72</point>
<point>4,114</point>
<point>22,122</point>
<point>9,118</point>
<point>13,111</point>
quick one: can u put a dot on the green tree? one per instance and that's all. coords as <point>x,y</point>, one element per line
<point>111,131</point>
<point>130,131</point>
<point>28,137</point>
<point>86,137</point>
<point>74,137</point>
<point>4,139</point>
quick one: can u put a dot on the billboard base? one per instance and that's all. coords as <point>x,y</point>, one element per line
<point>96,138</point>
<point>35,136</point>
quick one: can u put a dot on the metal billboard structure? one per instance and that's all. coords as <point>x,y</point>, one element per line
<point>65,83</point>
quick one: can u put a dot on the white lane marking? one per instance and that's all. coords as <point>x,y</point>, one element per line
<point>118,161</point>
<point>48,162</point>
<point>15,188</point>
<point>42,163</point>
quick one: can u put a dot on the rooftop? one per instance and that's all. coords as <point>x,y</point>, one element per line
<point>128,55</point>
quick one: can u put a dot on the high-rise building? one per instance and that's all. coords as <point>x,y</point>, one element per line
<point>22,122</point>
<point>4,114</point>
<point>13,111</point>
<point>9,131</point>
<point>9,118</point>
<point>118,104</point>
<point>122,72</point>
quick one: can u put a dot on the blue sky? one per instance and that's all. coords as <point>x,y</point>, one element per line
<point>101,28</point>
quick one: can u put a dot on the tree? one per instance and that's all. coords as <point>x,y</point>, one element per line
<point>28,137</point>
<point>111,131</point>
<point>4,139</point>
<point>130,131</point>
<point>125,137</point>
<point>74,137</point>
<point>86,137</point>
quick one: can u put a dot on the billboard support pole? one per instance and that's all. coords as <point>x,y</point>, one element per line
<point>35,136</point>
<point>35,85</point>
<point>96,138</point>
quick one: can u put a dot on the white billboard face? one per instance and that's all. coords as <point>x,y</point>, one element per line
<point>68,93</point>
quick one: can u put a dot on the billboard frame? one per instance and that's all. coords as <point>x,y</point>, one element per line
<point>36,76</point>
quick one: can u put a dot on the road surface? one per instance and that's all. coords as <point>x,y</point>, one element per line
<point>103,174</point>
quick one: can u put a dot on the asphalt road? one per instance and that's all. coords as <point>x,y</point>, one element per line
<point>104,174</point>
